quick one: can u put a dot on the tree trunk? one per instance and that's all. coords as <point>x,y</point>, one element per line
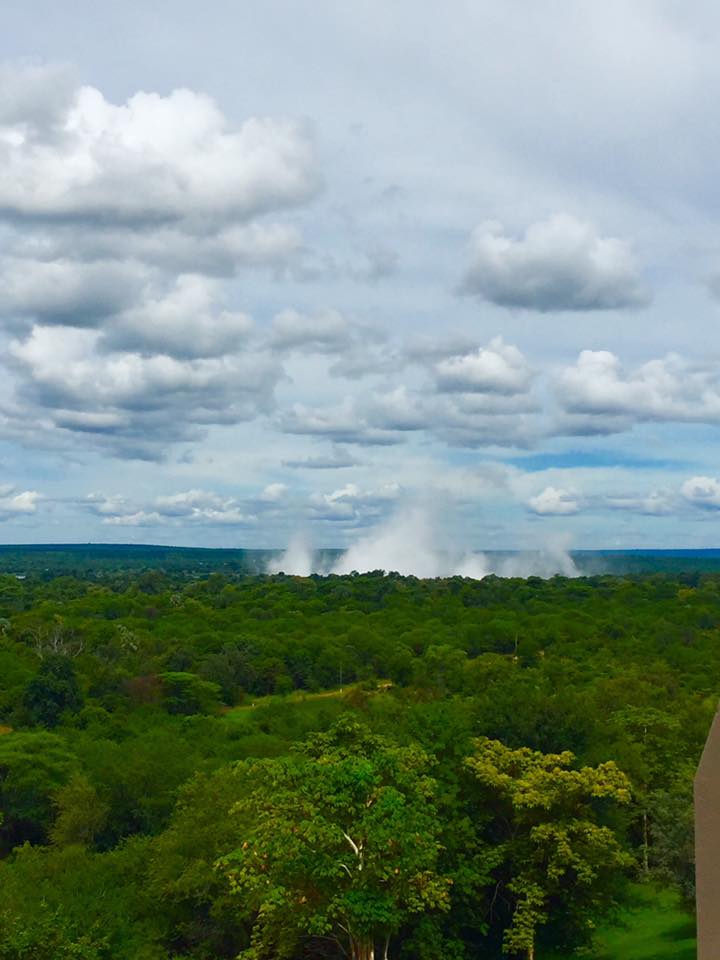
<point>531,952</point>
<point>363,949</point>
<point>646,858</point>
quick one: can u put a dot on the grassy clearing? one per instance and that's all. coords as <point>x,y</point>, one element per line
<point>654,927</point>
<point>267,726</point>
<point>296,697</point>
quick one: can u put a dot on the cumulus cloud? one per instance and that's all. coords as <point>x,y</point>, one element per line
<point>138,519</point>
<point>600,396</point>
<point>66,292</point>
<point>357,350</point>
<point>553,501</point>
<point>200,507</point>
<point>353,504</point>
<point>459,419</point>
<point>152,159</point>
<point>177,247</point>
<point>34,96</point>
<point>428,349</point>
<point>497,368</point>
<point>134,403</point>
<point>14,504</point>
<point>344,423</point>
<point>476,398</point>
<point>481,420</point>
<point>120,223</point>
<point>558,264</point>
<point>702,492</point>
<point>274,493</point>
<point>481,397</point>
<point>472,396</point>
<point>185,322</point>
<point>397,409</point>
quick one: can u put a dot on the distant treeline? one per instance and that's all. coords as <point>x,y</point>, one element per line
<point>101,560</point>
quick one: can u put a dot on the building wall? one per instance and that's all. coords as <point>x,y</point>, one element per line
<point>707,846</point>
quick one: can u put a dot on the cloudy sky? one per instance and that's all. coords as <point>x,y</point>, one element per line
<point>296,265</point>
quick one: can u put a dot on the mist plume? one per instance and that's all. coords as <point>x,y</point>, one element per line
<point>410,543</point>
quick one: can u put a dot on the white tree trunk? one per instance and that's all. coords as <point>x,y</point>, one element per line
<point>363,949</point>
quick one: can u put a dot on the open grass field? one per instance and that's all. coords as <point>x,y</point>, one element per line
<point>655,927</point>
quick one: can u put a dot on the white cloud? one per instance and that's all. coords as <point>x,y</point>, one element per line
<point>553,501</point>
<point>67,292</point>
<point>149,160</point>
<point>659,503</point>
<point>352,504</point>
<point>482,420</point>
<point>134,404</point>
<point>274,493</point>
<point>201,507</point>
<point>175,247</point>
<point>397,409</point>
<point>703,492</point>
<point>497,368</point>
<point>559,264</point>
<point>137,519</point>
<point>119,224</point>
<point>34,96</point>
<point>344,423</point>
<point>101,247</point>
<point>184,322</point>
<point>14,504</point>
<point>601,396</point>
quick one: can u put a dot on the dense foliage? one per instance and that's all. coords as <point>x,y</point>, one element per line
<point>202,765</point>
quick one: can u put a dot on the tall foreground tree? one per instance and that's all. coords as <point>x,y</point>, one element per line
<point>341,844</point>
<point>554,855</point>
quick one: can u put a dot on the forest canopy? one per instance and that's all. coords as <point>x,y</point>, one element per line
<point>198,765</point>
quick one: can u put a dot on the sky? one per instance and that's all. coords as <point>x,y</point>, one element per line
<point>297,267</point>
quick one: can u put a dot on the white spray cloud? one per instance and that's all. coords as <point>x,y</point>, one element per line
<point>410,543</point>
<point>551,560</point>
<point>297,560</point>
<point>407,544</point>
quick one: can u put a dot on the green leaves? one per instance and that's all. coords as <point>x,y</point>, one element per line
<point>342,841</point>
<point>546,828</point>
<point>33,766</point>
<point>187,694</point>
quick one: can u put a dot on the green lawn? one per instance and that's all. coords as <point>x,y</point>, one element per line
<point>655,927</point>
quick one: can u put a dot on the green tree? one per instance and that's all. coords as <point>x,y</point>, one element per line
<point>651,756</point>
<point>201,914</point>
<point>53,691</point>
<point>555,857</point>
<point>33,766</point>
<point>71,904</point>
<point>672,836</point>
<point>186,693</point>
<point>81,814</point>
<point>342,844</point>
